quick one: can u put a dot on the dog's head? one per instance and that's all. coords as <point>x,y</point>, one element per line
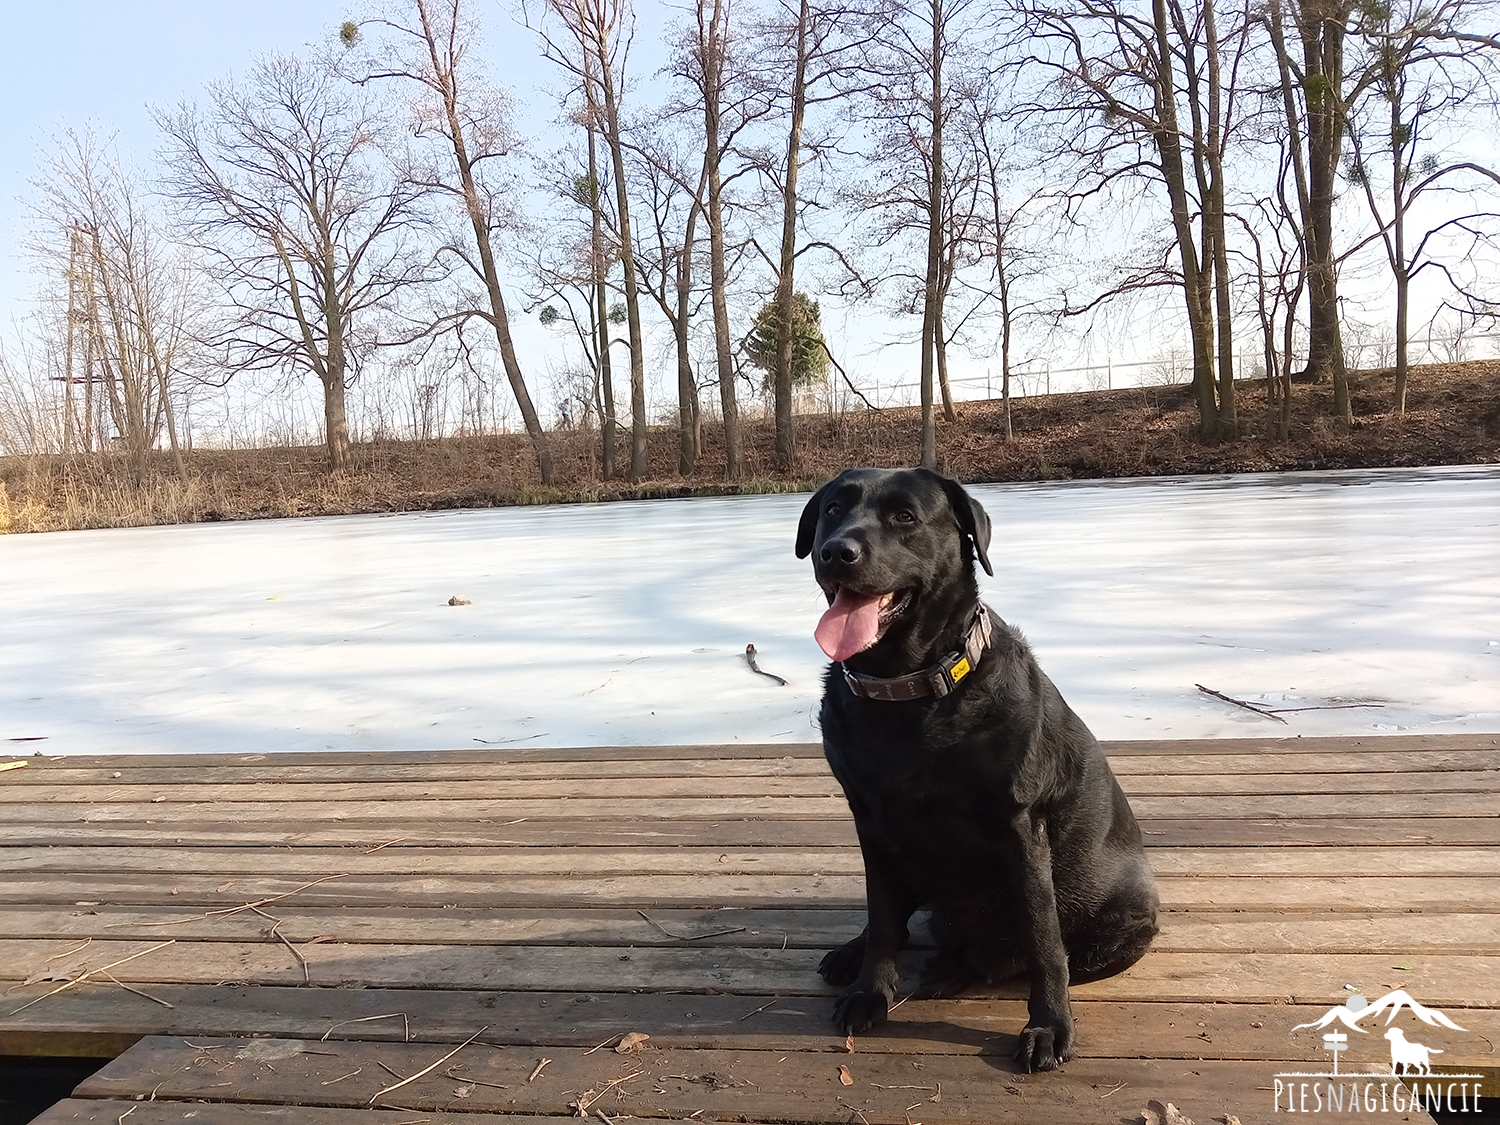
<point>894,551</point>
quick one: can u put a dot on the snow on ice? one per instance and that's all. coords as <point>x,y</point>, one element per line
<point>627,623</point>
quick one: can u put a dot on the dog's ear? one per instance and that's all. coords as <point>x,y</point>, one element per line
<point>973,521</point>
<point>807,526</point>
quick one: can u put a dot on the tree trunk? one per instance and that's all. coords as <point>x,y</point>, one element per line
<point>786,437</point>
<point>930,311</point>
<point>713,64</point>
<point>499,318</point>
<point>687,386</point>
<point>1195,288</point>
<point>1005,355</point>
<point>1400,266</point>
<point>1214,218</point>
<point>949,413</point>
<point>1321,24</point>
<point>336,423</point>
<point>601,299</point>
<point>638,463</point>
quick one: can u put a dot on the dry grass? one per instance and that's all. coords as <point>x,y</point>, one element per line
<point>1452,417</point>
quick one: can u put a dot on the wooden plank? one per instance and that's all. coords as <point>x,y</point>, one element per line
<point>1346,894</point>
<point>230,770</point>
<point>676,788</point>
<point>1347,762</point>
<point>77,1111</point>
<point>1277,744</point>
<point>1409,832</point>
<point>1300,806</point>
<point>1298,744</point>
<point>1458,980</point>
<point>665,1082</point>
<point>399,860</point>
<point>103,1021</point>
<point>1399,934</point>
<point>1435,862</point>
<point>704,751</point>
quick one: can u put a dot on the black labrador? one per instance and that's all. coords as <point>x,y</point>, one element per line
<point>976,791</point>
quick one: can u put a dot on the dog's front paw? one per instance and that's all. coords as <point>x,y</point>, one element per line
<point>1045,1047</point>
<point>858,1010</point>
<point>841,966</point>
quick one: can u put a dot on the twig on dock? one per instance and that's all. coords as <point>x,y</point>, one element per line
<point>1241,703</point>
<point>689,937</point>
<point>537,1072</point>
<point>367,1019</point>
<point>429,1069</point>
<point>228,910</point>
<point>138,992</point>
<point>279,936</point>
<point>81,977</point>
<point>757,1011</point>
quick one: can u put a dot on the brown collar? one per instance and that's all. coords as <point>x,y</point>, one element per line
<point>936,680</point>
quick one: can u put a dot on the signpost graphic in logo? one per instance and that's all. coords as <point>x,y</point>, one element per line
<point>1407,1085</point>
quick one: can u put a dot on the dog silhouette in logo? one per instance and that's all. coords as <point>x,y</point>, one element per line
<point>1411,1057</point>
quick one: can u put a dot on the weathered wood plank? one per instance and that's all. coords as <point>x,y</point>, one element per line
<point>677,788</point>
<point>1399,934</point>
<point>78,1111</point>
<point>1436,862</point>
<point>1258,807</point>
<point>1456,980</point>
<point>656,1082</point>
<point>231,771</point>
<point>1407,832</point>
<point>1348,894</point>
<point>1272,744</point>
<point>102,1021</point>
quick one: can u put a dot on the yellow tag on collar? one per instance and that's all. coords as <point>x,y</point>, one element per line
<point>960,670</point>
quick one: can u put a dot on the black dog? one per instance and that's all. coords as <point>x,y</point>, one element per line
<point>976,791</point>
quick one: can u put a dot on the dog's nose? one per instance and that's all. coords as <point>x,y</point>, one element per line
<point>846,551</point>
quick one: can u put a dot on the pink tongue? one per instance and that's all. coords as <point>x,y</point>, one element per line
<point>851,625</point>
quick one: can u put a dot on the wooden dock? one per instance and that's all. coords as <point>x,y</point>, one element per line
<point>467,936</point>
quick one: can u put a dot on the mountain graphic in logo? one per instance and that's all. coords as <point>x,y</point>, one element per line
<point>1357,1008</point>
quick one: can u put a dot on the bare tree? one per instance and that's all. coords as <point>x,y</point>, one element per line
<point>1316,96</point>
<point>1142,95</point>
<point>137,307</point>
<point>308,229</point>
<point>665,254</point>
<point>428,48</point>
<point>1431,74</point>
<point>711,64</point>
<point>912,46</point>
<point>593,51</point>
<point>808,57</point>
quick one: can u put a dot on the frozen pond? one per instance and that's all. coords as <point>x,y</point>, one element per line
<point>627,623</point>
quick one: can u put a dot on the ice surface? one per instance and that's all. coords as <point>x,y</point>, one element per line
<point>627,623</point>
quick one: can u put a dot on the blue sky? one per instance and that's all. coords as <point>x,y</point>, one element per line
<point>74,62</point>
<point>71,62</point>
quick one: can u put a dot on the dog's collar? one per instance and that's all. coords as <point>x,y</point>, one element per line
<point>936,680</point>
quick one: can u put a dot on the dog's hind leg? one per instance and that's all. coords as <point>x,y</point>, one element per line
<point>1116,938</point>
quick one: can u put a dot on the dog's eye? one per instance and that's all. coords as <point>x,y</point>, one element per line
<point>903,516</point>
<point>832,510</point>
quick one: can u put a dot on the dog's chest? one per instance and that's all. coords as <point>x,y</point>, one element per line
<point>906,789</point>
